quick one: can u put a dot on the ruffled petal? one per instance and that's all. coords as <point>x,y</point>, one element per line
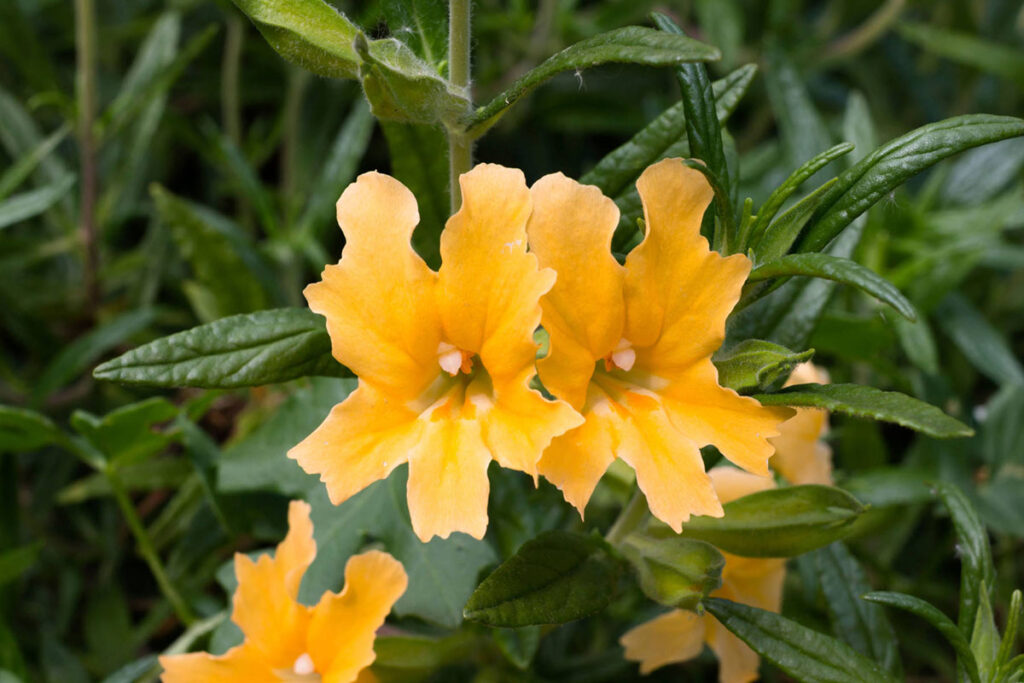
<point>363,439</point>
<point>240,664</point>
<point>731,484</point>
<point>265,606</point>
<point>800,455</point>
<point>448,485</point>
<point>678,292</point>
<point>571,230</point>
<point>707,413</point>
<point>675,636</point>
<point>379,299</point>
<point>489,287</point>
<point>344,625</point>
<point>517,424</point>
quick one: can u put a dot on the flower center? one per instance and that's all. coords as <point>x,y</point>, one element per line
<point>622,357</point>
<point>302,671</point>
<point>454,360</point>
<point>303,665</point>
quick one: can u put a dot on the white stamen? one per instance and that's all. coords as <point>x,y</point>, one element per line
<point>303,665</point>
<point>449,358</point>
<point>624,356</point>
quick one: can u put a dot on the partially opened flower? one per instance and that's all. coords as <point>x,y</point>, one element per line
<point>631,346</point>
<point>286,641</point>
<point>680,635</point>
<point>444,359</point>
<point>800,454</point>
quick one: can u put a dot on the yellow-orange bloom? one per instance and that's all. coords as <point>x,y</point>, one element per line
<point>444,359</point>
<point>331,642</point>
<point>680,635</point>
<point>631,346</point>
<point>800,454</point>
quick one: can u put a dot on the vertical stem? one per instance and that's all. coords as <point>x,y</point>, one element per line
<point>629,519</point>
<point>230,101</point>
<point>460,147</point>
<point>85,79</point>
<point>147,550</point>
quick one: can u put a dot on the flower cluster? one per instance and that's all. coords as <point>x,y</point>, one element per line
<point>445,358</point>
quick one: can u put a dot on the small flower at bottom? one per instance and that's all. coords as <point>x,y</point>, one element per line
<point>330,642</point>
<point>679,635</point>
<point>631,345</point>
<point>444,358</point>
<point>800,454</point>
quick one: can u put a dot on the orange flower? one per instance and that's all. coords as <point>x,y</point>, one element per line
<point>444,359</point>
<point>800,454</point>
<point>631,346</point>
<point>286,641</point>
<point>679,635</point>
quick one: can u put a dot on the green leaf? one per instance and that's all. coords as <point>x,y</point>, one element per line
<point>27,163</point>
<point>422,25</point>
<point>1005,61</point>
<point>401,87</point>
<point>985,638</point>
<point>885,169</point>
<point>150,475</point>
<point>981,343</point>
<point>976,569</point>
<point>917,341</point>
<point>29,204</point>
<point>631,45</point>
<point>674,571</point>
<point>804,654</point>
<point>26,430</point>
<point>757,364</point>
<point>519,645</point>
<point>780,522</point>
<point>128,435</point>
<point>554,578</point>
<point>16,561</point>
<point>703,131</point>
<point>309,33</point>
<point>770,243</point>
<point>937,619</point>
<point>869,402</point>
<point>780,235</point>
<point>240,351</point>
<point>861,624</point>
<point>617,170</point>
<point>1003,431</point>
<point>837,269</point>
<point>226,266</point>
<point>257,462</point>
<point>419,158</point>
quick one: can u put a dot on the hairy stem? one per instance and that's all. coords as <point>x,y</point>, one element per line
<point>629,519</point>
<point>85,81</point>
<point>460,146</point>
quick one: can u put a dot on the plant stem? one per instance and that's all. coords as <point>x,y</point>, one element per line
<point>147,550</point>
<point>85,79</point>
<point>230,101</point>
<point>460,146</point>
<point>628,520</point>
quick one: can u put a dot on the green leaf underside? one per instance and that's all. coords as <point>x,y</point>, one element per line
<point>799,651</point>
<point>842,270</point>
<point>553,578</point>
<point>632,44</point>
<point>869,402</point>
<point>239,351</point>
<point>757,364</point>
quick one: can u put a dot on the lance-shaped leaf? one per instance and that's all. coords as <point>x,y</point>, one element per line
<point>940,621</point>
<point>239,351</point>
<point>757,364</point>
<point>869,402</point>
<point>632,45</point>
<point>978,340</point>
<point>309,33</point>
<point>862,185</point>
<point>777,523</point>
<point>554,578</point>
<point>26,430</point>
<point>29,204</point>
<point>804,654</point>
<point>842,270</point>
<point>674,571</point>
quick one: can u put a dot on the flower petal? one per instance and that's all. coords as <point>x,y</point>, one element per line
<point>379,299</point>
<point>678,292</point>
<point>265,606</point>
<point>707,413</point>
<point>571,230</point>
<point>800,455</point>
<point>520,423</point>
<point>364,438</point>
<point>448,484</point>
<point>675,636</point>
<point>489,287</point>
<point>669,468</point>
<point>240,664</point>
<point>731,483</point>
<point>344,625</point>
<point>737,663</point>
